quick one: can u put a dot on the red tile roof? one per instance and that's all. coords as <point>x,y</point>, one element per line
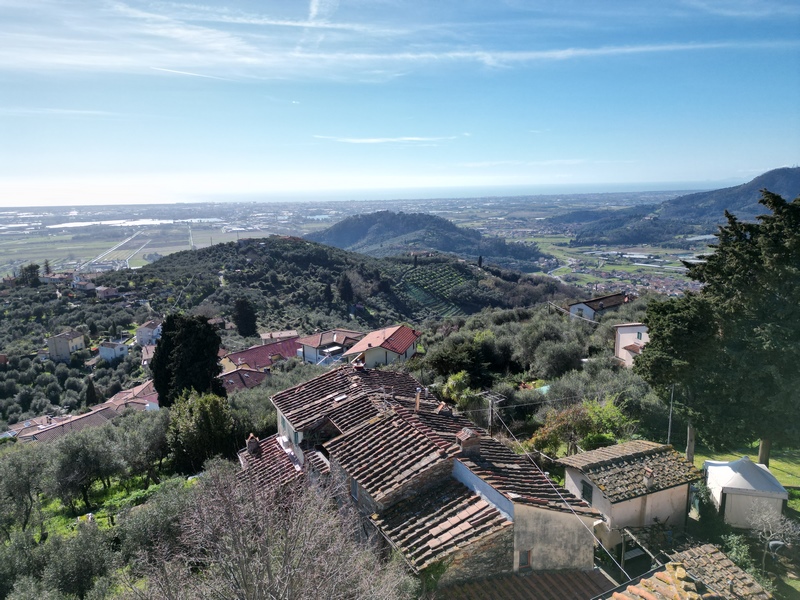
<point>270,464</point>
<point>619,470</point>
<point>669,582</point>
<point>395,339</point>
<point>262,356</point>
<point>98,417</point>
<point>553,585</point>
<point>605,302</point>
<point>709,564</point>
<point>387,451</point>
<point>428,527</point>
<point>307,404</point>
<point>242,379</point>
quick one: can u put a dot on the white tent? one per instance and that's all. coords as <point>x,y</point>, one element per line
<point>741,488</point>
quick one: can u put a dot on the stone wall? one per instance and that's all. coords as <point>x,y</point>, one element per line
<point>492,555</point>
<point>418,484</point>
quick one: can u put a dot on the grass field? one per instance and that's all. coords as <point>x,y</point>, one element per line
<point>783,462</point>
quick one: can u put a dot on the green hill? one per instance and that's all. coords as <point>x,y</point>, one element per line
<point>387,233</point>
<point>296,283</point>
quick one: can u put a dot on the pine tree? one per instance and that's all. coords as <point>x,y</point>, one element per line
<point>244,316</point>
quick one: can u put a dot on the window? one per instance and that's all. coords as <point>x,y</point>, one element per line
<point>353,489</point>
<point>524,559</point>
<point>638,335</point>
<point>586,491</point>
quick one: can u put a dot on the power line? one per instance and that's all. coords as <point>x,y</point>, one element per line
<point>561,496</point>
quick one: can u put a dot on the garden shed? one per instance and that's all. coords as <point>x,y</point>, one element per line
<point>742,488</point>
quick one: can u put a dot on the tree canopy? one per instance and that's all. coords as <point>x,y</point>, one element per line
<point>732,348</point>
<point>186,358</point>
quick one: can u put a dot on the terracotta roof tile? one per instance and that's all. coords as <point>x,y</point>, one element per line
<point>270,464</point>
<point>709,564</point>
<point>619,471</point>
<point>395,339</point>
<point>260,357</point>
<point>242,379</point>
<point>341,337</point>
<point>428,527</point>
<point>669,582</point>
<point>553,585</point>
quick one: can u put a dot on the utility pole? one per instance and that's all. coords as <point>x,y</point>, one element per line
<point>491,416</point>
<point>669,429</point>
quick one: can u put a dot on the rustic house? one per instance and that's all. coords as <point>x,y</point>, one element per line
<point>61,346</point>
<point>435,487</point>
<point>385,346</point>
<point>589,309</point>
<point>635,484</point>
<point>261,357</point>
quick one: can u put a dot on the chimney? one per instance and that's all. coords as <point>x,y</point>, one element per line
<point>469,441</point>
<point>253,447</point>
<point>648,478</point>
<point>443,409</point>
<point>416,404</point>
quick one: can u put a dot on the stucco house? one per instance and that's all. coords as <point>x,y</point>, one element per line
<point>113,351</point>
<point>742,488</point>
<point>327,347</point>
<point>148,333</point>
<point>430,483</point>
<point>261,357</point>
<point>104,292</point>
<point>61,346</point>
<point>629,340</point>
<point>589,309</point>
<point>385,346</point>
<point>634,484</point>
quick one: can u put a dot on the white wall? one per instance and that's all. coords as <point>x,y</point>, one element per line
<point>581,310</point>
<point>556,540</point>
<point>627,335</point>
<point>740,508</point>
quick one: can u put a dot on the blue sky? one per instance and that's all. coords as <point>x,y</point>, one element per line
<point>139,101</point>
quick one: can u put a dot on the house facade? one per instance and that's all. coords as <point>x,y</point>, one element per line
<point>589,309</point>
<point>113,351</point>
<point>61,346</point>
<point>629,340</point>
<point>385,346</point>
<point>148,333</point>
<point>327,347</point>
<point>635,484</point>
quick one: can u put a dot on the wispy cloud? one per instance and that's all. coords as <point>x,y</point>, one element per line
<point>188,73</point>
<point>746,9</point>
<point>385,140</point>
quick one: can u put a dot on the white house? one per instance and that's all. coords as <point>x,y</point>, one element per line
<point>588,309</point>
<point>385,346</point>
<point>629,339</point>
<point>113,351</point>
<point>327,347</point>
<point>634,484</point>
<point>148,333</point>
<point>741,488</point>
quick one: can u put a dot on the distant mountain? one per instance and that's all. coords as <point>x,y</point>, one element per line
<point>685,215</point>
<point>741,200</point>
<point>387,233</point>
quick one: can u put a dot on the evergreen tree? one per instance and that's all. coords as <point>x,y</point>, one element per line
<point>91,393</point>
<point>345,289</point>
<point>747,375</point>
<point>200,427</point>
<point>186,358</point>
<point>47,270</point>
<point>244,316</point>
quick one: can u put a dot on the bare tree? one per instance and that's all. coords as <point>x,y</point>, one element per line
<point>283,543</point>
<point>773,530</point>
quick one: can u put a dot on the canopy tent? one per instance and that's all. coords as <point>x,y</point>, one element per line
<point>741,488</point>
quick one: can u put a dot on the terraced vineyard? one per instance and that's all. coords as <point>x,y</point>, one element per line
<point>435,286</point>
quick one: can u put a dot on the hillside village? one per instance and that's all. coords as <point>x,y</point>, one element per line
<point>449,445</point>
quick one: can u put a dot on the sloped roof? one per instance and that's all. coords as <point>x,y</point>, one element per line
<point>261,356</point>
<point>745,477</point>
<point>709,564</point>
<point>69,335</point>
<point>609,301</point>
<point>307,404</point>
<point>270,464</point>
<point>152,324</point>
<point>385,452</point>
<point>242,379</point>
<point>540,585</point>
<point>669,582</point>
<point>428,527</point>
<point>514,476</point>
<point>95,418</point>
<point>137,397</point>
<point>395,339</point>
<point>619,471</point>
<point>342,337</point>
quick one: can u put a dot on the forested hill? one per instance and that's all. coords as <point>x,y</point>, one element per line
<point>696,213</point>
<point>741,200</point>
<point>387,233</point>
<point>295,283</point>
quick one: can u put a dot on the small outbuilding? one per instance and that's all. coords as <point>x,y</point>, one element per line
<point>741,488</point>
